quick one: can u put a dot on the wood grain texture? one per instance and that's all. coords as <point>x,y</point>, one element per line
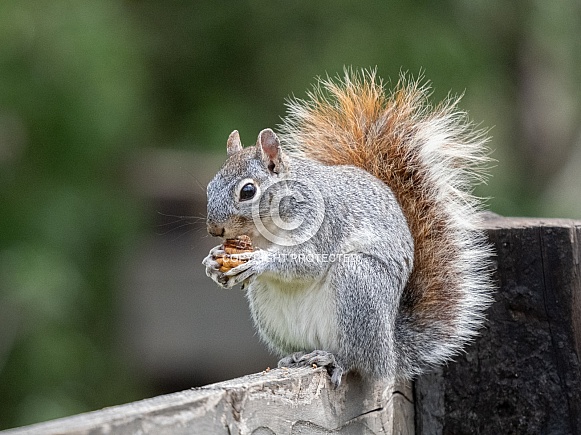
<point>295,401</point>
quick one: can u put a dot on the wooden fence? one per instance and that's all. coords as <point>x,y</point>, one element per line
<point>521,376</point>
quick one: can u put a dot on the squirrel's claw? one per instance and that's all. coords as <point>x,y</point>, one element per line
<point>321,358</point>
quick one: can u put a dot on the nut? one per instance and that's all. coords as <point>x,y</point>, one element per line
<point>238,245</point>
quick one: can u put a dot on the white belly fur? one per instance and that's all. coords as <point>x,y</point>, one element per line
<point>294,316</point>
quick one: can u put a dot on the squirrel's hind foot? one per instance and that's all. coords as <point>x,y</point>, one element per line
<point>319,358</point>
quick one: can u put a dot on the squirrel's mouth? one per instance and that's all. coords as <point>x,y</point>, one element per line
<point>233,228</point>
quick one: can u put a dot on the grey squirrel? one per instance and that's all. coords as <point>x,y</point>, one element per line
<point>368,254</point>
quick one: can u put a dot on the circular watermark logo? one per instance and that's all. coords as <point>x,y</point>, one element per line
<point>289,211</point>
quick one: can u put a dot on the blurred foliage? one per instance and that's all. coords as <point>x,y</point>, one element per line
<point>71,107</point>
<point>84,84</point>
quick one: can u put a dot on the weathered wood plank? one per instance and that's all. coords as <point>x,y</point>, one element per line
<point>278,402</point>
<point>522,375</point>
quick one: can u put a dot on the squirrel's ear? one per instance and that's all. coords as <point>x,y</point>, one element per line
<point>268,148</point>
<point>233,145</point>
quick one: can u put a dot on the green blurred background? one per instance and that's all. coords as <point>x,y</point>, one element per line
<point>88,88</point>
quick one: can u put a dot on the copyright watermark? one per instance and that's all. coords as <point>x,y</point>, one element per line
<point>314,257</point>
<point>289,211</point>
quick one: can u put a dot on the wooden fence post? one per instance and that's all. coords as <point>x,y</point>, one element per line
<point>522,375</point>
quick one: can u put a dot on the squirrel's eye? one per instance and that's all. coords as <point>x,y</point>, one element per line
<point>247,192</point>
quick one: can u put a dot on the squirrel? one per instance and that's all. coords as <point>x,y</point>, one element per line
<point>368,254</point>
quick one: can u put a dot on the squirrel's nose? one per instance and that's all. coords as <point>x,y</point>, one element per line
<point>215,230</point>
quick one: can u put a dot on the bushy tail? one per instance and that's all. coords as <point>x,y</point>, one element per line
<point>430,156</point>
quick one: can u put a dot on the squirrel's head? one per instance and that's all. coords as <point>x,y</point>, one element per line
<point>236,194</point>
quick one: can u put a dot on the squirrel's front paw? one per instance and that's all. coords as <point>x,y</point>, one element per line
<point>237,274</point>
<point>246,270</point>
<point>213,267</point>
